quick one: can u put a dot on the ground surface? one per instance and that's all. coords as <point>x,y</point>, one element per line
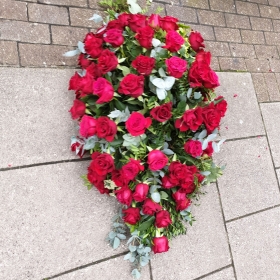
<point>52,227</point>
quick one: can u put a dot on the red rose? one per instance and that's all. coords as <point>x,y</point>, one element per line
<point>78,109</point>
<point>87,126</point>
<point>193,148</point>
<point>143,64</point>
<point>160,244</point>
<point>180,175</point>
<point>179,196</point>
<point>93,45</point>
<point>93,71</point>
<point>78,147</point>
<point>169,23</point>
<point>102,164</point>
<point>162,113</point>
<point>196,41</point>
<point>83,61</point>
<point>131,215</point>
<point>97,181</point>
<point>124,19</point>
<point>163,219</point>
<point>137,124</point>
<point>132,85</point>
<point>173,41</point>
<point>150,207</point>
<point>211,117</point>
<point>114,24</point>
<point>192,119</point>
<point>203,56</point>
<point>154,21</point>
<point>114,37</point>
<point>136,22</point>
<point>176,66</point>
<point>124,196</point>
<point>209,150</point>
<point>119,178</point>
<point>221,106</point>
<point>145,36</point>
<point>107,61</point>
<point>104,90</point>
<point>106,128</point>
<point>83,84</point>
<point>132,168</point>
<point>157,160</point>
<point>140,192</point>
<point>183,204</point>
<point>166,183</point>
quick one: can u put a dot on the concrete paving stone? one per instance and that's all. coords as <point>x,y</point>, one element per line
<point>257,65</point>
<point>232,64</point>
<point>50,222</point>
<point>24,31</point>
<point>261,23</point>
<point>225,274</point>
<point>266,52</point>
<point>35,123</point>
<point>269,12</point>
<point>243,115</point>
<point>112,269</point>
<point>202,250</point>
<point>182,13</point>
<point>249,183</point>
<point>271,113</point>
<point>211,18</point>
<point>10,9</point>
<point>45,55</point>
<point>223,6</point>
<point>272,86</point>
<point>237,21</point>
<point>242,50</point>
<point>247,8</point>
<point>260,87</point>
<point>227,34</point>
<point>217,48</point>
<point>255,244</point>
<point>80,3</point>
<point>8,53</point>
<point>202,4</point>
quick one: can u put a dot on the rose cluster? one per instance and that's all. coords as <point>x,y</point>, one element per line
<point>148,115</point>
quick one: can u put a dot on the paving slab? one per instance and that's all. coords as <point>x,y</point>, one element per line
<point>35,125</point>
<point>204,248</point>
<point>249,183</point>
<point>243,117</point>
<point>112,269</point>
<point>271,116</point>
<point>225,274</point>
<point>50,222</point>
<point>255,245</point>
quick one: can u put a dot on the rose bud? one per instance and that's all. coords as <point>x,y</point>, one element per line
<point>157,160</point>
<point>140,192</point>
<point>160,244</point>
<point>193,148</point>
<point>209,150</point>
<point>196,41</point>
<point>131,215</point>
<point>150,207</point>
<point>154,20</point>
<point>87,126</point>
<point>163,219</point>
<point>221,106</point>
<point>77,145</point>
<point>124,196</point>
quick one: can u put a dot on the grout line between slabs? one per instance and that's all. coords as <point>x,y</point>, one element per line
<point>86,265</point>
<point>151,270</point>
<point>213,272</point>
<point>43,163</point>
<point>244,138</point>
<point>224,221</point>
<point>251,214</point>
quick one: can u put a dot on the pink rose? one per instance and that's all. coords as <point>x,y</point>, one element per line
<point>124,196</point>
<point>78,109</point>
<point>160,244</point>
<point>104,90</point>
<point>176,66</point>
<point>154,21</point>
<point>193,148</point>
<point>87,126</point>
<point>137,124</point>
<point>157,160</point>
<point>173,41</point>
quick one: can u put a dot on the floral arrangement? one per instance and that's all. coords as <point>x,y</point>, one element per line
<point>148,116</point>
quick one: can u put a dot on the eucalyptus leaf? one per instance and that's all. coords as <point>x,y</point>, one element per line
<point>96,18</point>
<point>156,197</point>
<point>81,47</point>
<point>168,152</point>
<point>147,250</point>
<point>216,148</point>
<point>121,236</point>
<point>72,53</point>
<point>112,235</point>
<point>132,259</point>
<point>205,144</point>
<point>127,256</point>
<point>161,93</point>
<point>132,248</point>
<point>117,243</point>
<point>161,72</point>
<point>202,134</point>
<point>197,95</point>
<point>205,173</point>
<point>135,273</point>
<point>189,92</point>
<point>134,7</point>
<point>211,137</point>
<point>163,195</point>
<point>156,42</point>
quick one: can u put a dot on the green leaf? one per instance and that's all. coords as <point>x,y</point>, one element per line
<point>146,224</point>
<point>117,243</point>
<point>163,195</point>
